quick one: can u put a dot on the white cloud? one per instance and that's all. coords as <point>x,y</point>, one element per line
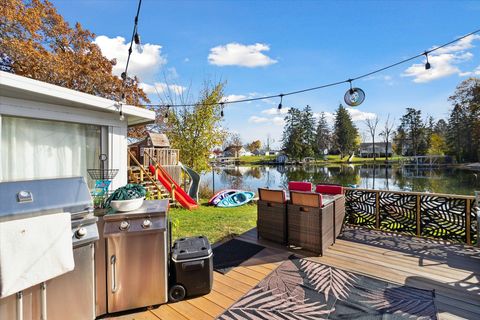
<point>329,116</point>
<point>278,121</point>
<point>162,87</point>
<point>233,97</point>
<point>255,119</point>
<point>186,60</point>
<point>275,111</point>
<point>143,65</point>
<point>444,62</point>
<point>358,115</point>
<point>236,54</point>
<point>385,78</point>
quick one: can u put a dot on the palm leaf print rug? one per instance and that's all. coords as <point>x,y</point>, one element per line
<point>303,289</point>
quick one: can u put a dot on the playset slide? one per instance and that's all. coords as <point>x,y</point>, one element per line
<point>195,181</point>
<point>180,195</point>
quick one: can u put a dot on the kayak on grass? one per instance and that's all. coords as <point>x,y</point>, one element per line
<point>237,199</point>
<point>220,195</point>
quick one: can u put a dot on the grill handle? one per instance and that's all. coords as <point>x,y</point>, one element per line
<point>20,305</point>
<point>113,264</point>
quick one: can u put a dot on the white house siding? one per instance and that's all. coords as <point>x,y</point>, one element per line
<point>27,98</point>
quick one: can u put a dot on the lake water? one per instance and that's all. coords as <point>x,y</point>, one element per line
<point>383,177</point>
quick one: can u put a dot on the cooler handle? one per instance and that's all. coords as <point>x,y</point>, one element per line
<point>192,266</point>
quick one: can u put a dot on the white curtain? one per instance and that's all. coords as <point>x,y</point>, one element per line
<point>33,149</point>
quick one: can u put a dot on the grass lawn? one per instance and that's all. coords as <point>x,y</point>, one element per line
<point>336,159</point>
<point>215,223</point>
<point>256,159</point>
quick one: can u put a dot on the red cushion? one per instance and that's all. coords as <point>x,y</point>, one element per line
<point>300,186</point>
<point>329,189</point>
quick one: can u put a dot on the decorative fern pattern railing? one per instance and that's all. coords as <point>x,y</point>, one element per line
<point>443,216</point>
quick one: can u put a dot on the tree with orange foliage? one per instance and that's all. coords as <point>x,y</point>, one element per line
<point>40,44</point>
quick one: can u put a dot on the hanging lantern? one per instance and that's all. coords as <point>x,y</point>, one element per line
<point>354,96</point>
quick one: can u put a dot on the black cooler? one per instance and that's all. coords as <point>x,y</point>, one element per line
<point>191,268</point>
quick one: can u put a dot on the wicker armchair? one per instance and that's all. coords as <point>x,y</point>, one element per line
<point>310,221</point>
<point>335,192</point>
<point>272,215</point>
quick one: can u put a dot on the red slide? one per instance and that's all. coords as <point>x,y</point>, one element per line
<point>181,196</point>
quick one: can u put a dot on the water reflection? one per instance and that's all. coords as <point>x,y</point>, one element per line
<point>383,177</point>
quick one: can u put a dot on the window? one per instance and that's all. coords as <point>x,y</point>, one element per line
<point>35,149</point>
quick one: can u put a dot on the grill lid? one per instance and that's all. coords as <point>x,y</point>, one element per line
<point>21,199</point>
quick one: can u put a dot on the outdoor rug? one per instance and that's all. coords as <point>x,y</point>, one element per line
<point>302,289</point>
<point>232,253</point>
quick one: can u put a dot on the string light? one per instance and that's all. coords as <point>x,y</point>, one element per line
<point>138,43</point>
<point>135,38</point>
<point>165,118</point>
<point>221,111</point>
<point>329,84</point>
<point>427,65</point>
<point>280,104</point>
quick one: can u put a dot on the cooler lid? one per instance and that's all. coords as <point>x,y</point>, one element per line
<point>191,248</point>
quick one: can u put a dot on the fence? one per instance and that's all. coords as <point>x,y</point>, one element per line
<point>444,216</point>
<point>166,157</point>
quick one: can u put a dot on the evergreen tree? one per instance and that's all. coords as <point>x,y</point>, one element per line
<point>308,126</point>
<point>323,136</point>
<point>293,134</point>
<point>411,133</point>
<point>345,132</point>
<point>463,135</point>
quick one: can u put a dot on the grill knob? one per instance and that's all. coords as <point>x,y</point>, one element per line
<point>124,225</point>
<point>146,224</point>
<point>80,233</point>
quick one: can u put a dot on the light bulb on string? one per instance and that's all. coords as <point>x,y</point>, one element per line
<point>280,104</point>
<point>119,107</point>
<point>427,65</point>
<point>138,44</point>
<point>165,118</point>
<point>221,110</point>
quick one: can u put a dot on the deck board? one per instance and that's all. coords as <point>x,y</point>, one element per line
<point>452,270</point>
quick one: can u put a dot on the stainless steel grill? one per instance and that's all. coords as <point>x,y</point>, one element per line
<point>132,258</point>
<point>71,295</point>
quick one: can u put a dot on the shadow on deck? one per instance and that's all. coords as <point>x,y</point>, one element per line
<point>453,271</point>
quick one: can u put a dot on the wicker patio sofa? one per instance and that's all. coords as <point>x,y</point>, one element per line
<point>300,186</point>
<point>335,193</point>
<point>310,221</point>
<point>272,215</point>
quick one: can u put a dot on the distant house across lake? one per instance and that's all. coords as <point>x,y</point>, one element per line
<point>366,149</point>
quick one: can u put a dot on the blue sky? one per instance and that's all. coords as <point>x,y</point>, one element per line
<point>270,47</point>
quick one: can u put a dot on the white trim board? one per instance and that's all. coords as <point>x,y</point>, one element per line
<point>46,111</point>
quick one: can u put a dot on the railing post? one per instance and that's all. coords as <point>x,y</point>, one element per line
<point>418,208</point>
<point>468,221</point>
<point>477,202</point>
<point>377,210</point>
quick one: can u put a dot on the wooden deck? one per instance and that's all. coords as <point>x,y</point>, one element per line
<point>452,270</point>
